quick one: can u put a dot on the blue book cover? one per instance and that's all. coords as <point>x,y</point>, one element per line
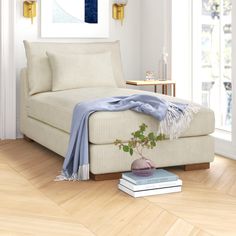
<point>158,176</point>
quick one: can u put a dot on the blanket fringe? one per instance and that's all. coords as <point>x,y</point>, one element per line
<point>177,121</point>
<point>83,174</point>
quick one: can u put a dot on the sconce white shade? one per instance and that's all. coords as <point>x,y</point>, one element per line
<point>121,2</point>
<point>30,1</point>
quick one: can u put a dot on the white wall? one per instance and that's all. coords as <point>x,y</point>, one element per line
<point>128,34</point>
<point>155,33</point>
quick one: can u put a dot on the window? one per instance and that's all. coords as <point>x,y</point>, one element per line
<point>202,62</point>
<point>212,52</point>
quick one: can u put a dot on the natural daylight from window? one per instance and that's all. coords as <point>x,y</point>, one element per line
<point>215,62</point>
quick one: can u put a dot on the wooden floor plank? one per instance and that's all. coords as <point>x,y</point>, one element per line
<point>161,225</point>
<point>145,218</point>
<point>33,225</point>
<point>180,228</point>
<point>111,208</point>
<point>115,224</point>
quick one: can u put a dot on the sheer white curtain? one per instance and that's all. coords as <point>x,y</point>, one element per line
<point>7,70</point>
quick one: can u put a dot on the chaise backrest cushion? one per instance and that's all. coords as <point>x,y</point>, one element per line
<point>39,69</point>
<point>71,71</point>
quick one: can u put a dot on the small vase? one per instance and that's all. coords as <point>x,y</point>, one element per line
<point>143,167</point>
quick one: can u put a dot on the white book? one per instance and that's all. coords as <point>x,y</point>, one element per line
<point>140,187</point>
<point>149,192</point>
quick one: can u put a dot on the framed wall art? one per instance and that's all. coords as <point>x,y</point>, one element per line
<point>74,18</point>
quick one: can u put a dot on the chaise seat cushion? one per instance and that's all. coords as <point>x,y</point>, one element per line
<point>56,109</point>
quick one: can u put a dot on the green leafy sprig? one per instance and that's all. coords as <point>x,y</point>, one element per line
<point>139,141</point>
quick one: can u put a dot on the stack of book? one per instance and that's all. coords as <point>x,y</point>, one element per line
<point>160,182</point>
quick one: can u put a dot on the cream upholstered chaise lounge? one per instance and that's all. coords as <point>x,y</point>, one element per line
<point>46,116</point>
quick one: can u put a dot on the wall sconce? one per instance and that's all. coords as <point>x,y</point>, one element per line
<point>29,9</point>
<point>118,10</point>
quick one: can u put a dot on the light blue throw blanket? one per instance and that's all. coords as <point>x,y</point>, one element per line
<point>174,119</point>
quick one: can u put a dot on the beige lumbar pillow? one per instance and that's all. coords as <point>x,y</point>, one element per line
<point>37,82</point>
<point>70,71</point>
<point>39,71</point>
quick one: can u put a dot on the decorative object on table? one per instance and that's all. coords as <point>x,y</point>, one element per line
<point>118,10</point>
<point>75,18</point>
<point>150,75</point>
<point>160,182</point>
<point>29,9</point>
<point>163,65</point>
<point>138,142</point>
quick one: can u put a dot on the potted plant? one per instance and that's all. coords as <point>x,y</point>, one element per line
<point>137,143</point>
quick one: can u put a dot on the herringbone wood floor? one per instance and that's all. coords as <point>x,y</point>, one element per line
<point>31,203</point>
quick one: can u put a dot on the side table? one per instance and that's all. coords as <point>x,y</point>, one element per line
<point>155,83</point>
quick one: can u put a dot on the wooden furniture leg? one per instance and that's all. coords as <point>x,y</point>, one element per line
<point>201,166</point>
<point>28,139</point>
<point>155,88</point>
<point>163,89</point>
<point>174,90</point>
<point>109,176</point>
